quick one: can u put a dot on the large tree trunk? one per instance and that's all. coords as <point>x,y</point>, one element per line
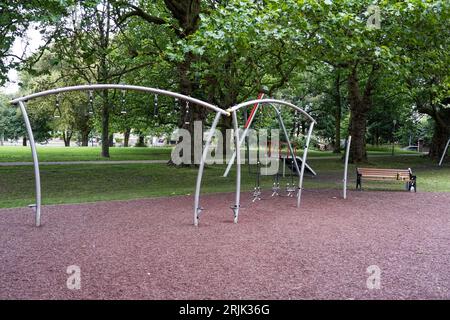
<point>360,104</point>
<point>227,99</point>
<point>141,141</point>
<point>67,136</point>
<point>225,124</point>
<point>126,137</point>
<point>187,13</point>
<point>103,73</point>
<point>188,113</point>
<point>441,117</point>
<point>357,129</point>
<point>105,125</point>
<point>377,137</point>
<point>24,141</point>
<point>441,133</point>
<point>111,140</point>
<point>304,126</point>
<point>338,113</point>
<point>85,137</point>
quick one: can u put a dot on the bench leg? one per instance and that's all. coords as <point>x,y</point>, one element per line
<point>358,182</point>
<point>414,183</point>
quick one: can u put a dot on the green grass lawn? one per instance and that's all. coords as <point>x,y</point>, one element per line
<point>93,182</point>
<point>23,154</point>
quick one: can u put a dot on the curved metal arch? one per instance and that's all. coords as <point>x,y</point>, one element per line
<point>120,87</point>
<point>271,101</point>
<point>21,102</point>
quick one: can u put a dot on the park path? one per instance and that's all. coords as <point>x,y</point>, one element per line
<point>26,163</point>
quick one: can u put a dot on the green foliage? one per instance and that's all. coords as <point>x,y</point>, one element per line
<point>10,128</point>
<point>12,125</point>
<point>16,17</point>
<point>289,49</point>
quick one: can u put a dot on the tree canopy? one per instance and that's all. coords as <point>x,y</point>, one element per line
<point>359,66</point>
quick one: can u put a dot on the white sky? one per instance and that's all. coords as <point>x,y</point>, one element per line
<point>34,41</point>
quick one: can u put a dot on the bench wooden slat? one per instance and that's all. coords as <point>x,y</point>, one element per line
<point>386,178</point>
<point>384,174</point>
<point>382,170</point>
<point>385,171</point>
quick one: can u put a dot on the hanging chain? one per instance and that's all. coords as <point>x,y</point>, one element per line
<point>57,112</point>
<point>91,103</point>
<point>155,107</point>
<point>124,110</point>
<point>187,113</point>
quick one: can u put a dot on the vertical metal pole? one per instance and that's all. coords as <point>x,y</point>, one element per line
<point>302,171</point>
<point>444,153</point>
<point>37,175</point>
<point>238,167</point>
<point>197,208</point>
<point>347,152</point>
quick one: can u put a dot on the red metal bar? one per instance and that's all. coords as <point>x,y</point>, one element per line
<point>252,113</point>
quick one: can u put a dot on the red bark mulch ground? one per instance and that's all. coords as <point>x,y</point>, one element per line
<point>149,249</point>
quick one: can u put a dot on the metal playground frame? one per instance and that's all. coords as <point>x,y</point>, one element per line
<point>22,101</point>
<point>239,139</point>
<point>444,153</point>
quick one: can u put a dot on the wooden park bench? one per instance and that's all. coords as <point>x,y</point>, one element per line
<point>402,175</point>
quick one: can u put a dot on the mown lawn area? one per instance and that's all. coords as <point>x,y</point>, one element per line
<point>95,182</point>
<point>23,154</point>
